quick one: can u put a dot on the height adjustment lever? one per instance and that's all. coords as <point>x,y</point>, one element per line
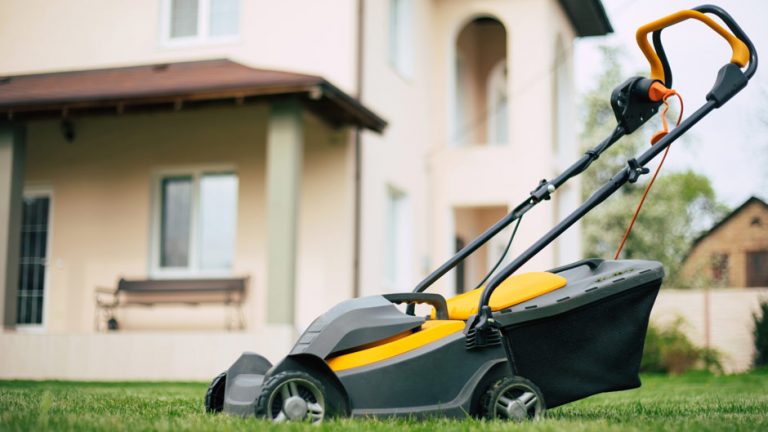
<point>543,191</point>
<point>635,170</point>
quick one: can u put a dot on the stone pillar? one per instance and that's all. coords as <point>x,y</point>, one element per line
<point>285,146</point>
<point>12,148</point>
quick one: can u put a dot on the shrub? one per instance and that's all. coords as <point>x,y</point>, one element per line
<point>668,350</point>
<point>761,334</point>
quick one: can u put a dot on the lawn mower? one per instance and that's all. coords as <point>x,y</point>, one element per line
<point>516,345</point>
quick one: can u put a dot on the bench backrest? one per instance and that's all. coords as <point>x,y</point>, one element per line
<point>168,286</point>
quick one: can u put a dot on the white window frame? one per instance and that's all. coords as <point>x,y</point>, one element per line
<point>36,192</point>
<point>203,36</point>
<point>193,270</point>
<point>398,250</point>
<point>401,37</point>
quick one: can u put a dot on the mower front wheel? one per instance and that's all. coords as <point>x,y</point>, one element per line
<point>513,398</point>
<point>292,396</point>
<point>214,397</point>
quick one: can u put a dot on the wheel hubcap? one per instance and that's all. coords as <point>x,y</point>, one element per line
<point>295,408</point>
<point>519,403</point>
<point>297,399</point>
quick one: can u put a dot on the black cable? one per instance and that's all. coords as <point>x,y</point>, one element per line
<point>506,250</point>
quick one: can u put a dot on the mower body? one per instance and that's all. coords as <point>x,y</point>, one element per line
<point>581,336</point>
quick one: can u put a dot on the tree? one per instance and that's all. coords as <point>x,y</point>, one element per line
<point>677,207</point>
<point>760,332</point>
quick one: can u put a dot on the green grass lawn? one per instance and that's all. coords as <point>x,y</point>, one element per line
<point>695,402</point>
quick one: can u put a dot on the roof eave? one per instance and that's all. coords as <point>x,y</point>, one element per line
<point>588,17</point>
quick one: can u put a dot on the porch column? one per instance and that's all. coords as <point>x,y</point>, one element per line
<point>285,146</point>
<point>12,149</point>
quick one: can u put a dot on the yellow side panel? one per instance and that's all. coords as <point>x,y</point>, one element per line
<point>514,290</point>
<point>430,331</point>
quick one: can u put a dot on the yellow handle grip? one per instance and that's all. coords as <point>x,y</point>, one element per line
<point>740,55</point>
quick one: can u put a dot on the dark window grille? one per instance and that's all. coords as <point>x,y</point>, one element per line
<point>34,248</point>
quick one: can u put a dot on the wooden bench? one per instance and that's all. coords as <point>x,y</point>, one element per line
<point>149,292</point>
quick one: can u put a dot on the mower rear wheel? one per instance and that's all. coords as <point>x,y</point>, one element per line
<point>513,398</point>
<point>214,397</point>
<point>292,396</point>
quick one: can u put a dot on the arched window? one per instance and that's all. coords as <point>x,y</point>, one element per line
<point>480,98</point>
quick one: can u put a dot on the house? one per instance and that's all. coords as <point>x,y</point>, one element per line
<point>734,252</point>
<point>308,151</point>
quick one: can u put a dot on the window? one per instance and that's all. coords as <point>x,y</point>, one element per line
<point>190,21</point>
<point>195,223</point>
<point>401,36</point>
<point>481,103</point>
<point>757,269</point>
<point>398,241</point>
<point>33,259</point>
<point>720,268</point>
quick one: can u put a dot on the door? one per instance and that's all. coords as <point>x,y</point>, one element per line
<point>757,269</point>
<point>33,259</point>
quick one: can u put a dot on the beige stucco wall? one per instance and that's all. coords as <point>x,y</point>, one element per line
<point>42,35</point>
<point>157,356</point>
<point>315,37</point>
<point>319,37</point>
<point>101,214</point>
<point>397,158</point>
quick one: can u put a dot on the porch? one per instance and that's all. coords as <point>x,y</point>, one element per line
<point>192,170</point>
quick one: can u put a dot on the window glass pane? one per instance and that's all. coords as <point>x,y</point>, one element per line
<point>400,36</point>
<point>399,248</point>
<point>224,17</point>
<point>175,221</point>
<point>184,18</point>
<point>218,217</point>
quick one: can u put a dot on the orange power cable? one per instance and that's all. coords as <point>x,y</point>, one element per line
<point>656,137</point>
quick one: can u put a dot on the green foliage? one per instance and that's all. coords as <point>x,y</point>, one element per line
<point>761,334</point>
<point>679,205</point>
<point>668,350</point>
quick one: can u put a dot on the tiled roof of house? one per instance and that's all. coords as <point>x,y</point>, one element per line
<point>174,85</point>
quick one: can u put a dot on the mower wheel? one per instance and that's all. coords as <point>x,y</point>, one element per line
<point>513,398</point>
<point>292,396</point>
<point>214,397</point>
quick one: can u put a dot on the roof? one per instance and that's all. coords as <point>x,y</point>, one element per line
<point>727,218</point>
<point>588,17</point>
<point>172,85</point>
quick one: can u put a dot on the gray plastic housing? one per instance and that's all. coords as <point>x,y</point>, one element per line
<point>354,323</point>
<point>243,385</point>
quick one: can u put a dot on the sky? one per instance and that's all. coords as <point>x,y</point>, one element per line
<point>730,146</point>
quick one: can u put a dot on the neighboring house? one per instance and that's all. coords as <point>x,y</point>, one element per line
<point>734,252</point>
<point>311,150</point>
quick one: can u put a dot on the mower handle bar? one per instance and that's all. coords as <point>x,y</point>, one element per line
<point>730,81</point>
<point>545,188</point>
<point>743,40</point>
<point>740,52</point>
